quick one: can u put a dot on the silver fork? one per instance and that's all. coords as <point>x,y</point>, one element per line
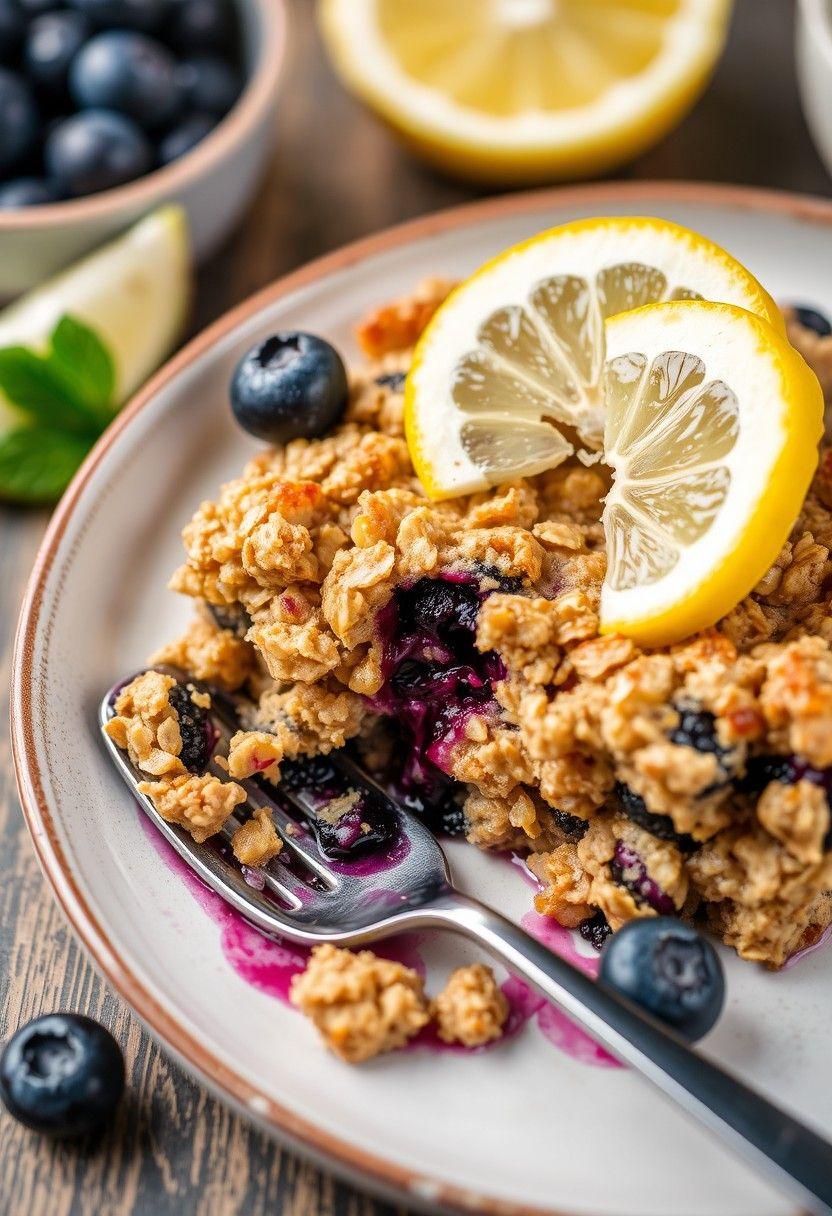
<point>307,900</point>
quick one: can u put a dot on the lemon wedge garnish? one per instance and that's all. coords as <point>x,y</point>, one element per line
<point>712,427</point>
<point>527,90</point>
<point>506,379</point>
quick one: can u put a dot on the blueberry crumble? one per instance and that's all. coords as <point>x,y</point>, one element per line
<point>455,645</point>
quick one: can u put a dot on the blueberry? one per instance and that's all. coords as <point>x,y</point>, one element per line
<point>595,930</point>
<point>195,728</point>
<point>572,826</point>
<point>660,826</point>
<point>365,827</point>
<point>392,380</point>
<point>291,386</point>
<point>27,192</point>
<point>232,617</point>
<point>208,84</point>
<point>314,776</point>
<point>670,970</point>
<point>697,729</point>
<point>185,136</point>
<point>438,605</point>
<point>628,870</point>
<point>19,121</point>
<point>53,41</point>
<point>788,770</point>
<point>201,25</point>
<point>127,72</point>
<point>96,150</point>
<point>811,318</point>
<point>145,15</point>
<point>62,1074</point>
<point>12,30</point>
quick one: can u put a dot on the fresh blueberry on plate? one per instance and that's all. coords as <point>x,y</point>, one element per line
<point>128,72</point>
<point>200,25</point>
<point>143,15</point>
<point>96,150</point>
<point>669,969</point>
<point>209,84</point>
<point>62,1074</point>
<point>19,121</point>
<point>812,318</point>
<point>27,192</point>
<point>291,386</point>
<point>185,136</point>
<point>53,41</point>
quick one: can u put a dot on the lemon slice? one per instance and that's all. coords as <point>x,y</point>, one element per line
<point>506,379</point>
<point>527,90</point>
<point>713,422</point>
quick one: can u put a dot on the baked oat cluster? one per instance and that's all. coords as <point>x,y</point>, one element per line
<point>456,645</point>
<point>364,1005</point>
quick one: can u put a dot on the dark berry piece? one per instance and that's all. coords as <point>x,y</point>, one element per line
<point>291,386</point>
<point>27,192</point>
<point>317,777</point>
<point>670,970</point>
<point>762,770</point>
<point>628,870</point>
<point>697,729</point>
<point>62,1074</point>
<point>19,119</point>
<point>52,43</point>
<point>201,25</point>
<point>811,318</point>
<point>94,151</point>
<point>195,728</point>
<point>595,930</point>
<point>392,380</point>
<point>660,826</point>
<point>208,84</point>
<point>353,825</point>
<point>185,136</point>
<point>572,826</point>
<point>12,30</point>
<point>144,15</point>
<point>127,72</point>
<point>232,617</point>
<point>440,607</point>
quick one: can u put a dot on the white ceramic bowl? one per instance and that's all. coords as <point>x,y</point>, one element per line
<point>214,182</point>
<point>814,70</point>
<point>532,1128</point>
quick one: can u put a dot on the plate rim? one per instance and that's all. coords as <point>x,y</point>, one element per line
<point>361,1166</point>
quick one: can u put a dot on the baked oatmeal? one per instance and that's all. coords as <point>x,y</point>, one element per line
<point>455,647</point>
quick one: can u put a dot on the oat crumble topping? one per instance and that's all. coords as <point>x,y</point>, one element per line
<point>470,1009</point>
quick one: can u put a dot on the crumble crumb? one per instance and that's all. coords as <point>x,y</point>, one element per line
<point>201,805</point>
<point>210,654</point>
<point>256,841</point>
<point>471,1009</point>
<point>361,1004</point>
<point>146,725</point>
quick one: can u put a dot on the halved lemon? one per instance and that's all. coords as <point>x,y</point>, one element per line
<point>712,427</point>
<point>527,90</point>
<point>506,379</point>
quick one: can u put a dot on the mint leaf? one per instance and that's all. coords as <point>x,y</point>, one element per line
<point>31,382</point>
<point>81,358</point>
<point>36,463</point>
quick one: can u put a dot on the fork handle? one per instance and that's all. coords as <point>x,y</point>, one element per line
<point>798,1160</point>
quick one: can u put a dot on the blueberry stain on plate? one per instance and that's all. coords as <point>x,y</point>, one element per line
<point>62,1074</point>
<point>669,969</point>
<point>290,386</point>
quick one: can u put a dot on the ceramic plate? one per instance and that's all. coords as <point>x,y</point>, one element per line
<point>542,1123</point>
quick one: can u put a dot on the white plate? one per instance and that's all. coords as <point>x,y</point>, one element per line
<point>521,1127</point>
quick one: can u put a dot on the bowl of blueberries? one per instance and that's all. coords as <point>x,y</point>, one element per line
<point>111,108</point>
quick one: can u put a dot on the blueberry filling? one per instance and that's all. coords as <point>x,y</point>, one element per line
<point>232,617</point>
<point>660,826</point>
<point>788,770</point>
<point>195,728</point>
<point>629,871</point>
<point>572,826</point>
<point>697,729</point>
<point>392,380</point>
<point>595,930</point>
<point>347,822</point>
<point>435,679</point>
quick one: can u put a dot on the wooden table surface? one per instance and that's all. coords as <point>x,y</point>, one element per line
<point>336,176</point>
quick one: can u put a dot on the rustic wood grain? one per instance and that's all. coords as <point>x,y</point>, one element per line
<point>336,176</point>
